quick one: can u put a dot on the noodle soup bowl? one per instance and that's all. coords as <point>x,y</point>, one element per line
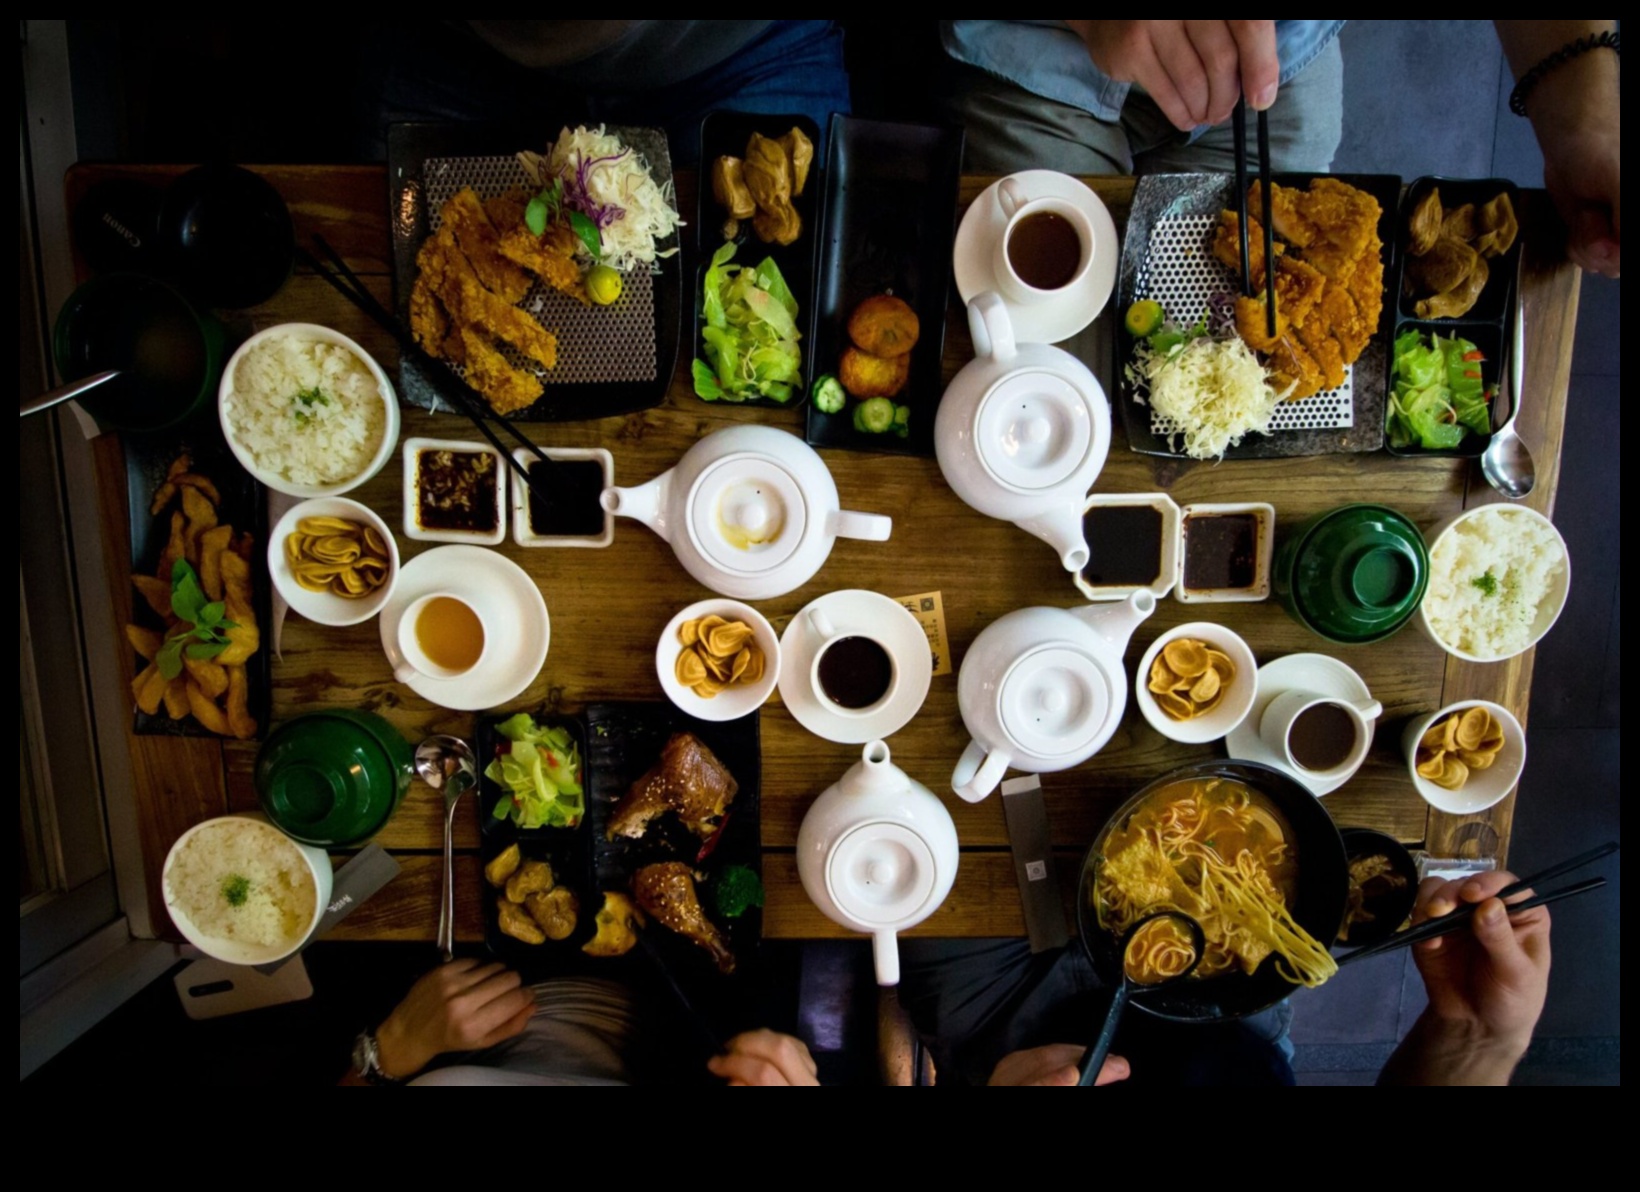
<point>1321,888</point>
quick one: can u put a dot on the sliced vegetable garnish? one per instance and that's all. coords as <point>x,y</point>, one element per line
<point>541,774</point>
<point>751,336</point>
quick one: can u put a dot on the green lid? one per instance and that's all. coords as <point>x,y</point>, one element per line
<point>332,778</point>
<point>1353,575</point>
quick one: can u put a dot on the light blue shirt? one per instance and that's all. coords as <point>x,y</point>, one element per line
<point>1049,60</point>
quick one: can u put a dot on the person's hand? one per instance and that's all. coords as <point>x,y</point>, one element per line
<point>1194,70</point>
<point>765,1058</point>
<point>1054,1064</point>
<point>460,1006</point>
<point>1582,158</point>
<point>1486,981</point>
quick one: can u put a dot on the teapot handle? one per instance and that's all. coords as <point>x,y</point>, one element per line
<point>990,328</point>
<point>885,955</point>
<point>868,527</point>
<point>978,772</point>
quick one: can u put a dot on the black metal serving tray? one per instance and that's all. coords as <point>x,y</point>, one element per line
<point>1160,196</point>
<point>620,741</point>
<point>244,506</point>
<point>724,134</point>
<point>409,147</point>
<point>888,225</point>
<point>1486,324</point>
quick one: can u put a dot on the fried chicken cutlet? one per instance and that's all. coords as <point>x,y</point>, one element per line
<point>480,243</point>
<point>550,256</point>
<point>453,281</point>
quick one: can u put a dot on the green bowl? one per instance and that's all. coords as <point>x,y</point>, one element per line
<point>333,778</point>
<point>1354,574</point>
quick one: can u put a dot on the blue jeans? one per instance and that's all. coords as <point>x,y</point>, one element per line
<point>431,72</point>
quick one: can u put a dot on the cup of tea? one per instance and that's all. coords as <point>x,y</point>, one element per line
<point>1046,247</point>
<point>441,636</point>
<point>853,673</point>
<point>1319,735</point>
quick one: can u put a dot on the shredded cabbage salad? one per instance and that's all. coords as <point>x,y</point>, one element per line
<point>540,774</point>
<point>1213,389</point>
<point>609,183</point>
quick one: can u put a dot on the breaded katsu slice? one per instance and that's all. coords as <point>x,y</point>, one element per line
<point>550,256</point>
<point>480,243</point>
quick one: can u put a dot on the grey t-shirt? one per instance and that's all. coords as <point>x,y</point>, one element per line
<point>619,55</point>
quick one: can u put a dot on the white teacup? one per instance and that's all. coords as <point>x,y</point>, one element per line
<point>416,662</point>
<point>821,627</point>
<point>1018,207</point>
<point>1276,728</point>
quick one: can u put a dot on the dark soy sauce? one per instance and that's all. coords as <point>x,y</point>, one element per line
<point>1124,545</point>
<point>1219,551</point>
<point>1045,250</point>
<point>855,672</point>
<point>1322,737</point>
<point>573,511</point>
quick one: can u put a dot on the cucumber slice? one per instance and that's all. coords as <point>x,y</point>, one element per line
<point>829,395</point>
<point>875,416</point>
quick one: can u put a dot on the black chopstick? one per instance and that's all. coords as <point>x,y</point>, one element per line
<point>1431,928</point>
<point>1269,223</point>
<point>1239,128</point>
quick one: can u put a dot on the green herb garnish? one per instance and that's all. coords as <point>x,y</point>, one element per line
<point>305,400</point>
<point>587,230</point>
<point>201,635</point>
<point>1488,584</point>
<point>544,208</point>
<point>236,889</point>
<point>738,889</point>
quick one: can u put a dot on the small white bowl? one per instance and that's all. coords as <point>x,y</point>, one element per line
<point>1231,710</point>
<point>384,386</point>
<point>732,702</point>
<point>524,534</point>
<point>326,608</point>
<point>1168,562</point>
<point>1485,787</point>
<point>234,951</point>
<point>412,493</point>
<point>1548,611</point>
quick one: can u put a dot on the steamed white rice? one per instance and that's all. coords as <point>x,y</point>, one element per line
<point>243,882</point>
<point>306,410</point>
<point>1488,578</point>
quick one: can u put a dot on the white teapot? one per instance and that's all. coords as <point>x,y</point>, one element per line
<point>1043,689</point>
<point>750,511</point>
<point>1023,431</point>
<point>877,853</point>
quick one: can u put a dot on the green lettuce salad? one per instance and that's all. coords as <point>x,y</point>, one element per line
<point>541,773</point>
<point>751,333</point>
<point>1438,397</point>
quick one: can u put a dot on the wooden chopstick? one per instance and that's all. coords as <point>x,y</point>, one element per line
<point>1269,224</point>
<point>1239,128</point>
<point>1432,928</point>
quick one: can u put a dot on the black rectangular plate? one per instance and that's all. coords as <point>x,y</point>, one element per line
<point>244,506</point>
<point>408,147</point>
<point>1488,337</point>
<point>889,224</point>
<point>1162,195</point>
<point>724,134</point>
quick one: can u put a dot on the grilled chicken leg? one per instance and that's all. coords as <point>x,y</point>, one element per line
<point>667,892</point>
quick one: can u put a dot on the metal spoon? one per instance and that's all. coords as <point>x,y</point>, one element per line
<point>447,764</point>
<point>1506,463</point>
<point>68,392</point>
<point>1094,1060</point>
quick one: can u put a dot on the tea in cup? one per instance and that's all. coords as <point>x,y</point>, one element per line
<point>1046,247</point>
<point>441,636</point>
<point>1319,735</point>
<point>853,674</point>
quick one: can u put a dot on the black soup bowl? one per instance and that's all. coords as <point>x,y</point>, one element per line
<point>1318,907</point>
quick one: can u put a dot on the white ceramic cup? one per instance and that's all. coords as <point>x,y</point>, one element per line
<point>821,627</point>
<point>415,658</point>
<point>1018,206</point>
<point>1276,728</point>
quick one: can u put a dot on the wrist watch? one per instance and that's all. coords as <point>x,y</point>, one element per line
<point>367,1060</point>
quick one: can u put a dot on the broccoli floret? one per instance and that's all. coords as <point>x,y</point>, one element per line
<point>737,890</point>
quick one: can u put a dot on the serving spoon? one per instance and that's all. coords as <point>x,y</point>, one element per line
<point>1088,1070</point>
<point>447,764</point>
<point>1506,463</point>
<point>66,392</point>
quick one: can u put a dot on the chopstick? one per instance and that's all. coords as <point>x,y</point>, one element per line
<point>1461,915</point>
<point>347,283</point>
<point>1269,223</point>
<point>1239,128</point>
<point>1431,928</point>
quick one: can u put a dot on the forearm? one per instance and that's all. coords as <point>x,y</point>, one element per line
<point>1582,91</point>
<point>1442,1052</point>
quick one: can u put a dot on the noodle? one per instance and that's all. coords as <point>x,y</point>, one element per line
<point>1208,850</point>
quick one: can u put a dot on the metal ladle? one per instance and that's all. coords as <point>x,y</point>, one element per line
<point>66,392</point>
<point>447,764</point>
<point>1094,1060</point>
<point>1506,463</point>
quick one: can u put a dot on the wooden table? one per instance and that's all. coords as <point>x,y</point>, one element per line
<point>609,606</point>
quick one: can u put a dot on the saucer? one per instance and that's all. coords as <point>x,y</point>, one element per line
<point>855,611</point>
<point>503,595</point>
<point>1308,672</point>
<point>1058,319</point>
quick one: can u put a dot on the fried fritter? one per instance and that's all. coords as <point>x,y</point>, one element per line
<point>1227,244</point>
<point>1299,289</point>
<point>465,216</point>
<point>885,326</point>
<point>865,375</point>
<point>455,284</point>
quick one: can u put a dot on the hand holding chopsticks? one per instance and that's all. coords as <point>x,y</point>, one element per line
<point>1239,130</point>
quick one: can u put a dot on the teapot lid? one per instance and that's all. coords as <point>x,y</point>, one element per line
<point>1054,701</point>
<point>1033,429</point>
<point>881,873</point>
<point>747,513</point>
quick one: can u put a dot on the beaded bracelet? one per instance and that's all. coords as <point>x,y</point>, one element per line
<point>1610,40</point>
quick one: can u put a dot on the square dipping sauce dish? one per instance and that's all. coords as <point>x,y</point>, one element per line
<point>1225,551</point>
<point>424,525</point>
<point>1147,533</point>
<point>587,465</point>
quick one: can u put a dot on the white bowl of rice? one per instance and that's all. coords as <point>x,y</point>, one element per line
<point>1498,577</point>
<point>242,891</point>
<point>307,411</point>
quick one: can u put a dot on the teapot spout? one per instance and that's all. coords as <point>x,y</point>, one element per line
<point>1061,529</point>
<point>873,774</point>
<point>646,503</point>
<point>1116,622</point>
